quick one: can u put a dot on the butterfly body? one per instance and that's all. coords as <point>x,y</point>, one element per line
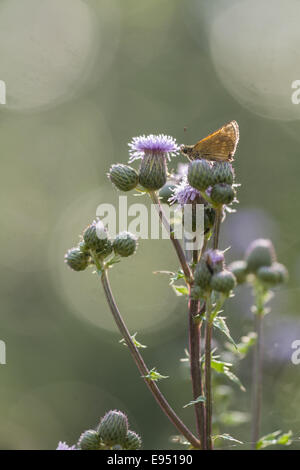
<point>220,145</point>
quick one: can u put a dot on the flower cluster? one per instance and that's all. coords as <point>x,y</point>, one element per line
<point>95,247</point>
<point>260,265</point>
<point>211,274</point>
<point>111,433</point>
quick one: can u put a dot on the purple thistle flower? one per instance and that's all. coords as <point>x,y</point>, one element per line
<point>152,144</point>
<point>64,446</point>
<point>183,194</point>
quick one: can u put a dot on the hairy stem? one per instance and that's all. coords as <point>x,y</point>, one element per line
<point>159,397</point>
<point>178,248</point>
<point>208,390</point>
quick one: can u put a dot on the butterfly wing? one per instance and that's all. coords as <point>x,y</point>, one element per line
<point>220,145</point>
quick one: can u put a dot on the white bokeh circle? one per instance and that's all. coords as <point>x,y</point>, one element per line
<point>254,48</point>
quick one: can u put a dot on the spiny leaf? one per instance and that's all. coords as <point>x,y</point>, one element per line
<point>136,342</point>
<point>200,399</point>
<point>154,375</point>
<point>226,437</point>
<point>180,290</point>
<point>231,376</point>
<point>219,322</point>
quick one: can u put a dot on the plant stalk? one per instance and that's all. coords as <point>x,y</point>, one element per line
<point>257,379</point>
<point>178,248</point>
<point>159,397</point>
<point>208,390</point>
<point>217,226</point>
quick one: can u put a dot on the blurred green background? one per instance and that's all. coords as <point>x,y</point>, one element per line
<point>83,78</point>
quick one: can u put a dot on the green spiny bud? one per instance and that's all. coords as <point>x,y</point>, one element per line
<point>113,428</point>
<point>202,275</point>
<point>259,253</point>
<point>223,173</point>
<point>77,260</point>
<point>239,269</point>
<point>222,193</point>
<point>82,247</point>
<point>200,174</point>
<point>124,177</point>
<point>153,171</point>
<point>105,250</point>
<point>125,244</point>
<point>132,441</point>
<point>283,274</point>
<point>89,440</point>
<point>223,281</point>
<point>268,275</point>
<point>209,218</point>
<point>95,236</point>
<point>166,192</point>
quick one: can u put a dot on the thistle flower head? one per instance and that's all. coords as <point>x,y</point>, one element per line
<point>161,144</point>
<point>183,194</point>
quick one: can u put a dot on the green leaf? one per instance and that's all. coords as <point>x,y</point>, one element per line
<point>273,439</point>
<point>180,290</point>
<point>200,399</point>
<point>226,437</point>
<point>231,376</point>
<point>136,342</point>
<point>220,324</point>
<point>155,376</point>
<point>223,368</point>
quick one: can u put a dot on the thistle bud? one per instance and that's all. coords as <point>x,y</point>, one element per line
<point>223,173</point>
<point>95,236</point>
<point>113,428</point>
<point>215,260</point>
<point>89,440</point>
<point>202,275</point>
<point>77,260</point>
<point>268,275</point>
<point>259,253</point>
<point>200,174</point>
<point>153,171</point>
<point>82,247</point>
<point>125,244</point>
<point>132,441</point>
<point>239,269</point>
<point>283,274</point>
<point>223,281</point>
<point>222,193</point>
<point>124,177</point>
<point>105,250</point>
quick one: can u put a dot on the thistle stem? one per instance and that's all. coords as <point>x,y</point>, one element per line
<point>208,390</point>
<point>159,397</point>
<point>217,226</point>
<point>195,367</point>
<point>257,367</point>
<point>178,248</point>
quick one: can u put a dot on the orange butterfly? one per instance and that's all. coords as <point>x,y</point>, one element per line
<point>220,145</point>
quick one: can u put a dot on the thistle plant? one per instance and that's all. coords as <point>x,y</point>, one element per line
<point>207,284</point>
